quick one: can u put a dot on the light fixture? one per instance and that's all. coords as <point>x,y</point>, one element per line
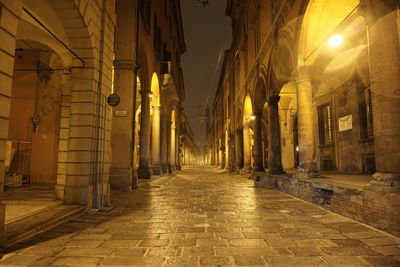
<point>151,95</point>
<point>252,117</point>
<point>335,40</point>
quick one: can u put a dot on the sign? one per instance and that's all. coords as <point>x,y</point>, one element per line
<point>345,123</point>
<point>113,100</point>
<point>121,113</point>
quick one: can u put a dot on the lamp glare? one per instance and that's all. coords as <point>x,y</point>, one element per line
<point>335,40</point>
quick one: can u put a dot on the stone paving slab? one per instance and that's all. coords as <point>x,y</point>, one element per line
<point>206,217</point>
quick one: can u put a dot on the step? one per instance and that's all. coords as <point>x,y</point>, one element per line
<point>33,224</point>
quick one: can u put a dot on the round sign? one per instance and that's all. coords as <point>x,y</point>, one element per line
<point>113,100</point>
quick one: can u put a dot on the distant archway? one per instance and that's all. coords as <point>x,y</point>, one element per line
<point>248,117</point>
<point>155,128</point>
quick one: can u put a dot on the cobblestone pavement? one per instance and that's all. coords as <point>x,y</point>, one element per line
<point>206,217</point>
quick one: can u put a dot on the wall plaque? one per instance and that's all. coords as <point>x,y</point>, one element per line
<point>121,113</point>
<point>345,123</point>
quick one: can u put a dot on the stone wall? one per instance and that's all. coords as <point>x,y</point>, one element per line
<point>375,208</point>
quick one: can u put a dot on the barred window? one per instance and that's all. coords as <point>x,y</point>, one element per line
<point>366,120</point>
<point>145,12</point>
<point>325,124</point>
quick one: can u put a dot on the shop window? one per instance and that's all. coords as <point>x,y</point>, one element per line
<point>325,124</point>
<point>366,120</point>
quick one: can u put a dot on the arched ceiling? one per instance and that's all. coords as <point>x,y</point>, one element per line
<point>320,21</point>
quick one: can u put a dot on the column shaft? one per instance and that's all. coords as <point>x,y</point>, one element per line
<point>274,136</point>
<point>246,146</point>
<point>172,149</point>
<point>239,149</point>
<point>258,160</point>
<point>307,147</point>
<point>144,161</point>
<point>155,137</point>
<point>164,143</point>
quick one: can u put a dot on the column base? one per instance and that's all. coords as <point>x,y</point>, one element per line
<point>386,182</point>
<point>171,168</point>
<point>121,178</point>
<point>258,169</point>
<point>246,170</point>
<point>276,170</point>
<point>164,168</point>
<point>144,172</point>
<point>156,170</point>
<point>303,173</point>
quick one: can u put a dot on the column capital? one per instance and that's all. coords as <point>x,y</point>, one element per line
<point>273,100</point>
<point>144,92</point>
<point>124,64</point>
<point>373,10</point>
<point>303,73</point>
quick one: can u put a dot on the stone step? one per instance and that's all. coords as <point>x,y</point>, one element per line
<point>33,224</point>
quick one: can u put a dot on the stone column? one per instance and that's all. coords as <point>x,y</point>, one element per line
<point>177,140</point>
<point>144,161</point>
<point>258,160</point>
<point>164,143</point>
<point>246,146</point>
<point>239,149</point>
<point>212,152</point>
<point>274,136</point>
<point>305,117</point>
<point>384,60</point>
<point>172,149</point>
<point>155,137</point>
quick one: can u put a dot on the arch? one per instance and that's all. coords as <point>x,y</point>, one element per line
<point>247,110</point>
<point>248,117</point>
<point>155,90</point>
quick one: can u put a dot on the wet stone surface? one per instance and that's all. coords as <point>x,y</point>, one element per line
<point>205,217</point>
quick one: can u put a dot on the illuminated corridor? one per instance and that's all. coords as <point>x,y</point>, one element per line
<point>204,216</point>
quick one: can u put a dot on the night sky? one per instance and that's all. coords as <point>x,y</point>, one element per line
<point>207,33</point>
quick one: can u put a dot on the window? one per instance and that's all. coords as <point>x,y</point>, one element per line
<point>366,121</point>
<point>325,124</point>
<point>257,34</point>
<point>145,12</point>
<point>157,39</point>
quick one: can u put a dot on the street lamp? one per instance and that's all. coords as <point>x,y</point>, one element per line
<point>335,40</point>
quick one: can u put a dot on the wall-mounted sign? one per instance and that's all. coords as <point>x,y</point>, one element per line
<point>121,113</point>
<point>345,123</point>
<point>113,100</point>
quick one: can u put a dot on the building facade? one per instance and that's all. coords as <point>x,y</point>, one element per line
<point>60,62</point>
<point>310,87</point>
<point>149,79</point>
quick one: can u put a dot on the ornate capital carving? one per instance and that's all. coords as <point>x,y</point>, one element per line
<point>373,10</point>
<point>273,100</point>
<point>44,72</point>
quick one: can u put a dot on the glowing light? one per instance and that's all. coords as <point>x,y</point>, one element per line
<point>151,95</point>
<point>335,40</point>
<point>297,148</point>
<point>252,117</point>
